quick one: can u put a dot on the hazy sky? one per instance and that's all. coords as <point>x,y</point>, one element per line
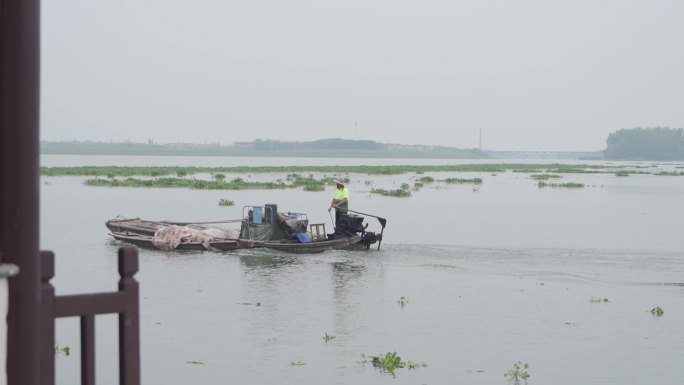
<point>535,75</point>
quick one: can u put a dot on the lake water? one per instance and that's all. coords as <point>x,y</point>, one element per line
<point>491,276</point>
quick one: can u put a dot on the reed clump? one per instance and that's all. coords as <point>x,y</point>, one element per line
<point>463,180</point>
<point>198,184</point>
<point>542,184</point>
<point>544,176</point>
<point>402,192</point>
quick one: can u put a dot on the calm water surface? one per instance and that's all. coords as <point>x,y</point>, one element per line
<point>492,276</point>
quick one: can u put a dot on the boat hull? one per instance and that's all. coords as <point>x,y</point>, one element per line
<point>293,246</point>
<point>134,226</point>
<point>145,241</point>
<point>290,246</point>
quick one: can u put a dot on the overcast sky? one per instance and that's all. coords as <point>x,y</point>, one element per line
<point>534,75</point>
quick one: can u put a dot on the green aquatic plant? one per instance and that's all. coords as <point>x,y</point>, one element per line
<point>670,173</point>
<point>198,184</point>
<point>544,176</point>
<point>66,350</point>
<point>298,363</point>
<point>226,202</point>
<point>391,361</point>
<point>399,193</point>
<point>463,180</point>
<point>597,300</point>
<point>542,184</point>
<point>328,338</point>
<point>195,362</point>
<point>314,188</point>
<point>657,311</point>
<point>518,374</point>
<point>622,173</point>
<point>427,179</point>
<point>219,177</point>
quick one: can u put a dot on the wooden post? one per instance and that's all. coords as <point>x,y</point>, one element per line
<point>129,320</point>
<point>19,183</point>
<point>47,322</point>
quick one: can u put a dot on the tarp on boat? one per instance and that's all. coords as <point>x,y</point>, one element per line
<point>286,226</point>
<point>256,231</point>
<point>169,237</point>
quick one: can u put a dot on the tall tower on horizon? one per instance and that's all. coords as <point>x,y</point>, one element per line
<point>480,142</point>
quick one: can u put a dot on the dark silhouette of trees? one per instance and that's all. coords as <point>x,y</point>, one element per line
<point>650,143</point>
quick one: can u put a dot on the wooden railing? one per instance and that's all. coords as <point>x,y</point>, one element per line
<point>125,302</point>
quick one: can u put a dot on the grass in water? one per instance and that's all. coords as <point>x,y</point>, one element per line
<point>561,185</point>
<point>226,202</point>
<point>544,176</point>
<point>308,183</point>
<point>597,300</point>
<point>670,173</point>
<point>398,193</point>
<point>657,311</point>
<point>391,361</point>
<point>463,180</point>
<point>518,374</point>
<point>66,350</point>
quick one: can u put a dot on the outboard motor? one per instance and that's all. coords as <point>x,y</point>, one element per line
<point>369,238</point>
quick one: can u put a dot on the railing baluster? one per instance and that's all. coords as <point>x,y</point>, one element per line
<point>88,350</point>
<point>129,320</point>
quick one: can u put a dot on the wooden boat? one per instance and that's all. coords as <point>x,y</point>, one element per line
<point>146,241</point>
<point>145,227</point>
<point>261,226</point>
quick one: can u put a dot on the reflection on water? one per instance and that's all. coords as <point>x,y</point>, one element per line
<point>265,259</point>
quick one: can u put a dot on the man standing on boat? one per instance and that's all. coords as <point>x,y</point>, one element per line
<point>340,201</point>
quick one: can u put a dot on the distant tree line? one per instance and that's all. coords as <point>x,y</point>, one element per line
<point>322,144</point>
<point>650,143</point>
<point>261,147</point>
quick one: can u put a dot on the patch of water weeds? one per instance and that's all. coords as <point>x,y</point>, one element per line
<point>390,362</point>
<point>518,374</point>
<point>657,311</point>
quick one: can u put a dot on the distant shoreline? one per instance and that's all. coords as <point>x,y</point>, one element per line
<point>396,152</point>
